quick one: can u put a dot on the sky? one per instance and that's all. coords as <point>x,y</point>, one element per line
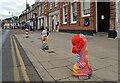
<point>15,6</point>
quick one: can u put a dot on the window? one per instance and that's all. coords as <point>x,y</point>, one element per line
<point>86,8</point>
<point>55,3</point>
<point>50,5</point>
<point>65,12</point>
<point>74,12</point>
<point>42,8</point>
<point>39,9</point>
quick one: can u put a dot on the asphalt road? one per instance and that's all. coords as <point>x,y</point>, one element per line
<point>16,66</point>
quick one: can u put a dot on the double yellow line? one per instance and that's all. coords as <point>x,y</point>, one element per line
<point>23,68</point>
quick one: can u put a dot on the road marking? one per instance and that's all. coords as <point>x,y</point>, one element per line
<point>16,73</point>
<point>23,68</point>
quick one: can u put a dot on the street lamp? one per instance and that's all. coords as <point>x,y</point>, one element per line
<point>26,14</point>
<point>12,17</point>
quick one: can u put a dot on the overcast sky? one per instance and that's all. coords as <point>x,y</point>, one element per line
<point>15,6</point>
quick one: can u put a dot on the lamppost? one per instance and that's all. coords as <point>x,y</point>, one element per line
<point>12,18</point>
<point>26,14</point>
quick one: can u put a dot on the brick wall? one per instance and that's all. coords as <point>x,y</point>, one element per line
<point>112,16</point>
<point>80,20</point>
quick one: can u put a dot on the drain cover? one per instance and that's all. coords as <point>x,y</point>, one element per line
<point>51,52</point>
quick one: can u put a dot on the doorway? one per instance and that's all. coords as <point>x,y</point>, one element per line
<point>103,16</point>
<point>52,23</point>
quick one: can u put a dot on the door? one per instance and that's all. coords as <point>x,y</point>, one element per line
<point>52,23</point>
<point>103,11</point>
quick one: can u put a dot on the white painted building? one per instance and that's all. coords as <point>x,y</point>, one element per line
<point>54,17</point>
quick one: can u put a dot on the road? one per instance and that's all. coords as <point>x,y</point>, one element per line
<point>16,66</point>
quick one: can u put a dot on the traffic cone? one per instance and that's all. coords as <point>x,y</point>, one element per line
<point>26,31</point>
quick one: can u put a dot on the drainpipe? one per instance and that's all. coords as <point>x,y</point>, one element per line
<point>117,28</point>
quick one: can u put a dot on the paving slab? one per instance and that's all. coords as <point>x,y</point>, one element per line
<point>47,65</point>
<point>60,73</point>
<point>106,75</point>
<point>60,63</point>
<point>102,56</point>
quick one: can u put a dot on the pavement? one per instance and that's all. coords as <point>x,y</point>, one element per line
<point>56,64</point>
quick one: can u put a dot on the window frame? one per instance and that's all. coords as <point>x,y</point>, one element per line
<point>74,12</point>
<point>65,14</point>
<point>82,9</point>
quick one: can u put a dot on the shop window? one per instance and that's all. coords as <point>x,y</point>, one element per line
<point>65,12</point>
<point>74,12</point>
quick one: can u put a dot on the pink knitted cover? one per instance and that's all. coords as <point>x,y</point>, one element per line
<point>83,63</point>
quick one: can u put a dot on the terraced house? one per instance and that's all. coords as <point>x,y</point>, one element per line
<point>86,17</point>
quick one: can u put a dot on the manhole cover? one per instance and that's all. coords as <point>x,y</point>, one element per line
<point>51,52</point>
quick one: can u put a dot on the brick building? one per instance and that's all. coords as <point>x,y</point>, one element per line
<point>88,17</point>
<point>31,23</point>
<point>43,15</point>
<point>22,19</point>
<point>76,17</point>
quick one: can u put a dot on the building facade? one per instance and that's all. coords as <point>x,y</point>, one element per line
<point>75,17</point>
<point>88,17</point>
<point>7,24</point>
<point>54,16</point>
<point>0,23</point>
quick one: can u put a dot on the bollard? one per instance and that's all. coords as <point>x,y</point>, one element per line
<point>26,32</point>
<point>45,42</point>
<point>81,67</point>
